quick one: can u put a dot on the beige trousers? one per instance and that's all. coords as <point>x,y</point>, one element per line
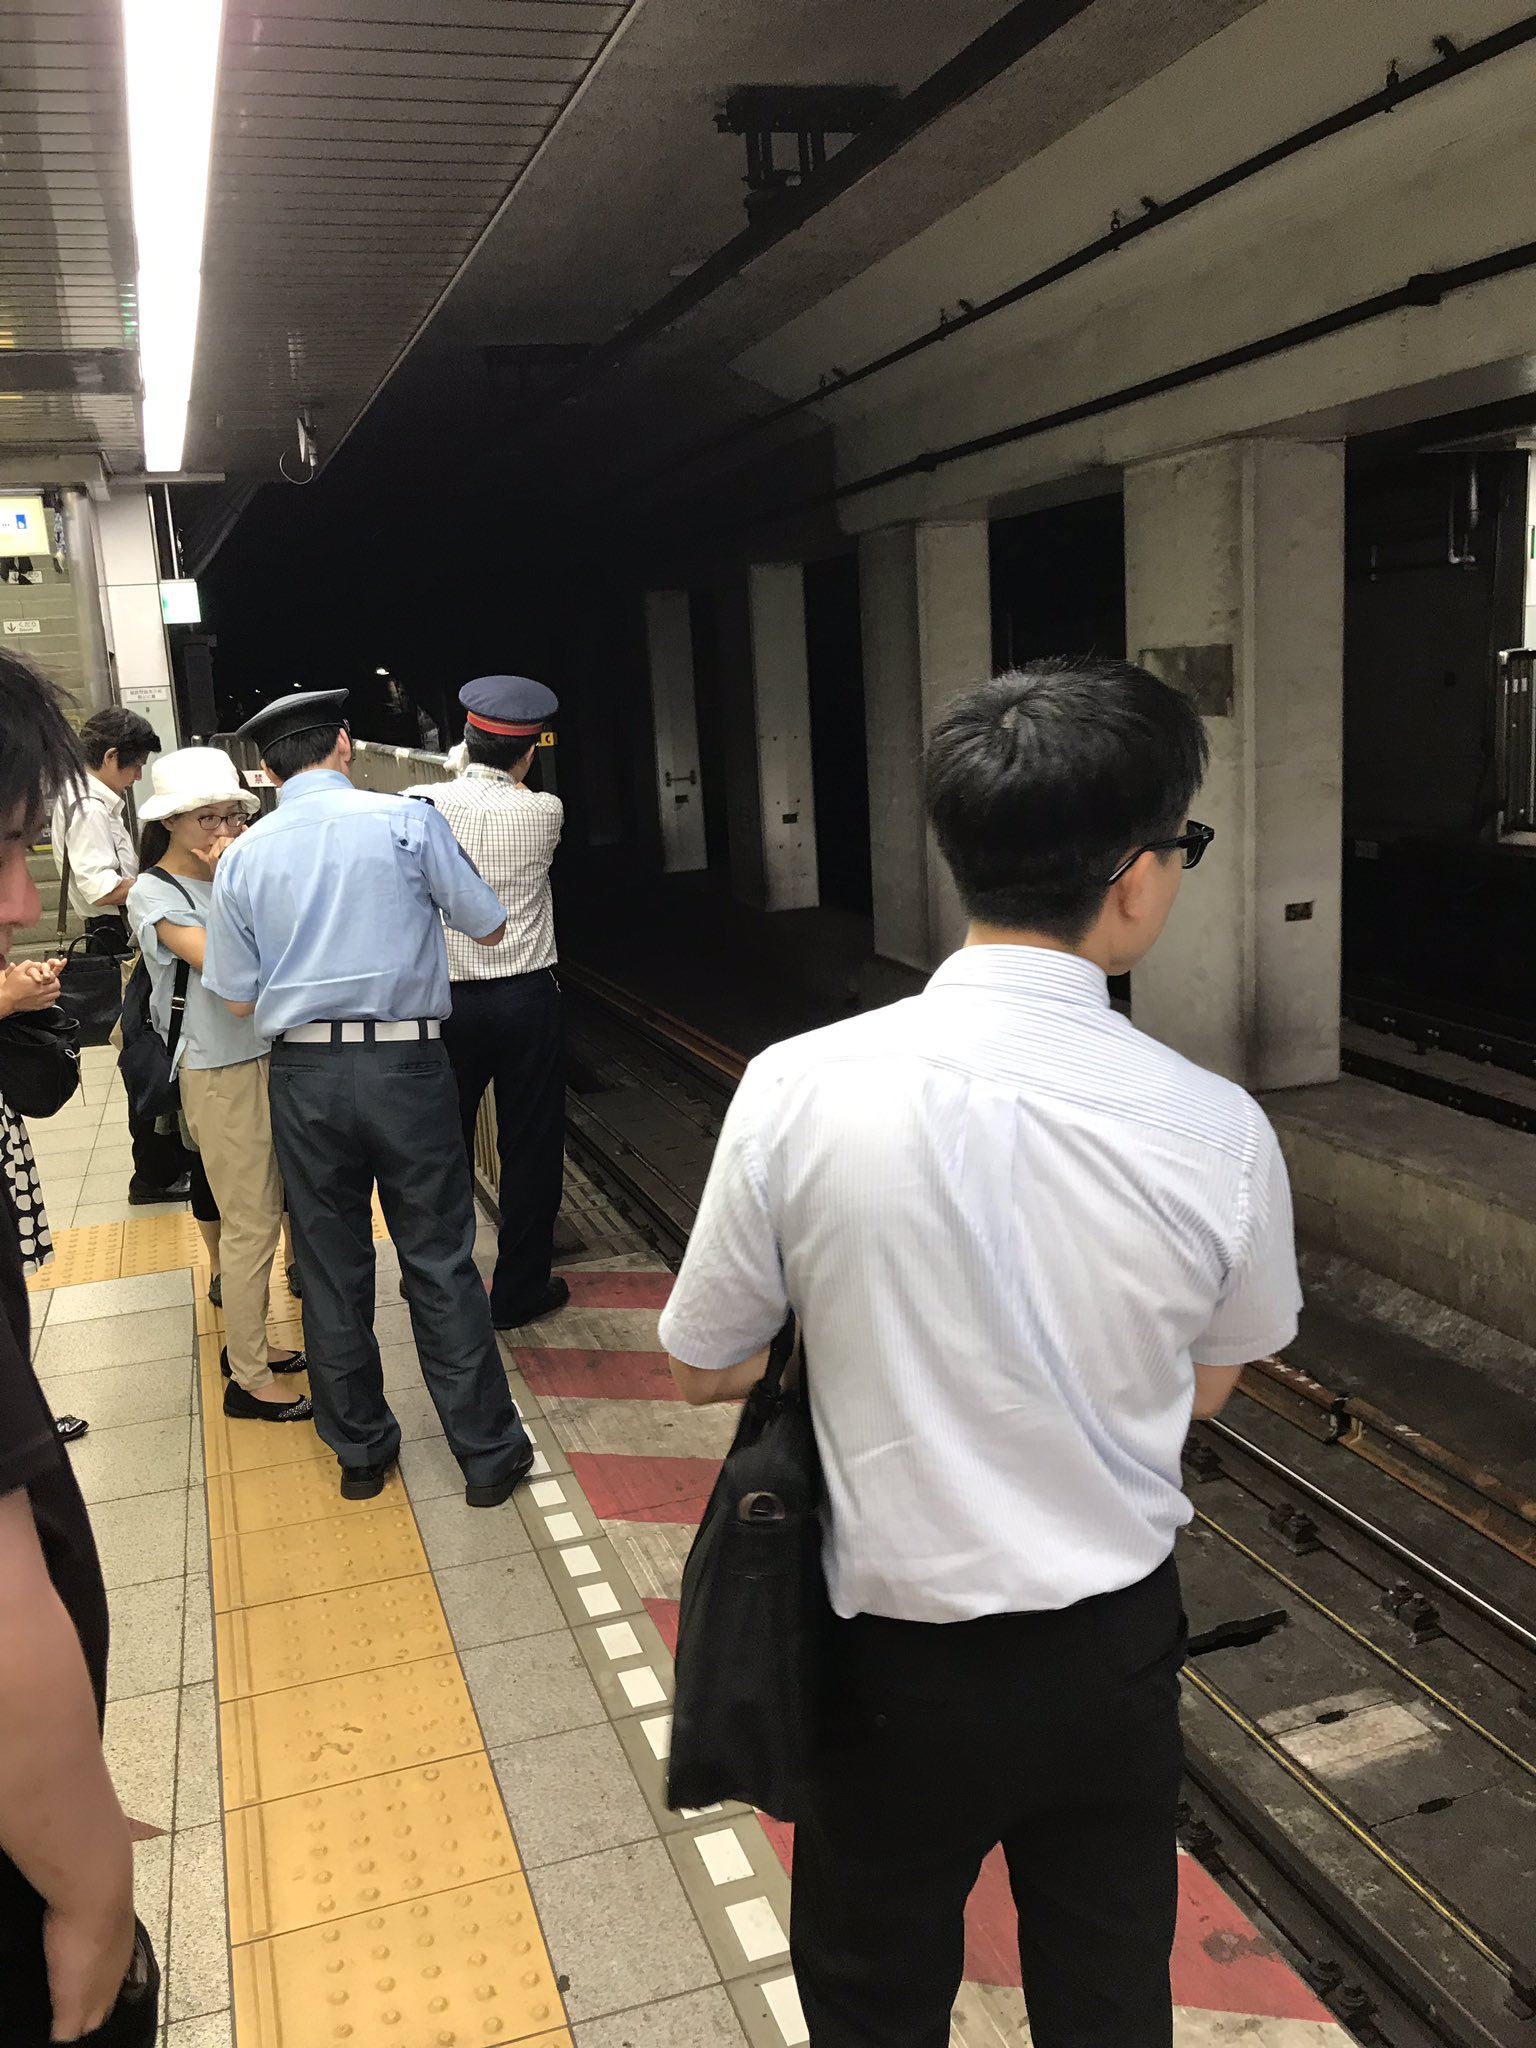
<point>226,1112</point>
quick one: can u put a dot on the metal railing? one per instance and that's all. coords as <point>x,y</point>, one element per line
<point>388,769</point>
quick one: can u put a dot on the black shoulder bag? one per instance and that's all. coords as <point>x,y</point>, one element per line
<point>90,984</point>
<point>145,1061</point>
<point>39,1060</point>
<point>755,1618</point>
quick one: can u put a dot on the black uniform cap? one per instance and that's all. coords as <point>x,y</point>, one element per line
<point>300,711</point>
<point>512,707</point>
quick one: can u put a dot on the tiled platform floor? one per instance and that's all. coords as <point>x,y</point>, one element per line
<point>408,1728</point>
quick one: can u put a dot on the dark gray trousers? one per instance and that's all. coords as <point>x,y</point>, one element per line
<point>343,1117</point>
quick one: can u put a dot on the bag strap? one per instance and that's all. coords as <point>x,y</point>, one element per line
<point>183,973</point>
<point>781,1354</point>
<point>64,888</point>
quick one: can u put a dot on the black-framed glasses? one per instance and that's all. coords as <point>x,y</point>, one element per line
<point>1191,842</point>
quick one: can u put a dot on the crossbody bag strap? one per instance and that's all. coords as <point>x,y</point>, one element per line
<point>781,1354</point>
<point>64,887</point>
<point>183,974</point>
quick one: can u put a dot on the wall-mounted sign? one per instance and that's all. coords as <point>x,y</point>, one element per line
<point>258,778</point>
<point>179,602</point>
<point>23,625</point>
<point>25,528</point>
<point>144,693</point>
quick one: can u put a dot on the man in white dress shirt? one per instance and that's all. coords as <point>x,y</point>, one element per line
<point>506,1029</point>
<point>1026,1244</point>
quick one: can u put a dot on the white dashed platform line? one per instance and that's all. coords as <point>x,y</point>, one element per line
<point>547,1493</point>
<point>619,1640</point>
<point>723,1857</point>
<point>783,1996</point>
<point>756,1926</point>
<point>642,1688</point>
<point>580,1560</point>
<point>658,1733</point>
<point>563,1527</point>
<point>540,1465</point>
<point>600,1599</point>
<point>699,1812</point>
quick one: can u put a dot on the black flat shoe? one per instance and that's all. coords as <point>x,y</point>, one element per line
<point>216,1290</point>
<point>70,1427</point>
<point>299,1362</point>
<point>364,1482</point>
<point>246,1408</point>
<point>140,1194</point>
<point>502,1489</point>
<point>555,1296</point>
<point>293,1284</point>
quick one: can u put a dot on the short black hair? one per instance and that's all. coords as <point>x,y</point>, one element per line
<point>1042,781</point>
<point>40,757</point>
<point>295,751</point>
<point>134,737</point>
<point>496,749</point>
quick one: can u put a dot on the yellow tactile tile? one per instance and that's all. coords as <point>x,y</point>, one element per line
<point>278,1743</point>
<point>361,1628</point>
<point>357,1848</point>
<point>243,1446</point>
<point>94,1252</point>
<point>364,1544</point>
<point>465,1969</point>
<point>277,1496</point>
<point>158,1244</point>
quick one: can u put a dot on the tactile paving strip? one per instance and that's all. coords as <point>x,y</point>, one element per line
<point>158,1244</point>
<point>276,1744</point>
<point>360,1847</point>
<point>94,1252</point>
<point>242,1446</point>
<point>355,1549</point>
<point>327,1635</point>
<point>277,1496</point>
<point>465,1969</point>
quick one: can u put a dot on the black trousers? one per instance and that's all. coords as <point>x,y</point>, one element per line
<point>508,1033</point>
<point>343,1118</point>
<point>132,2023</point>
<point>1054,1734</point>
<point>157,1160</point>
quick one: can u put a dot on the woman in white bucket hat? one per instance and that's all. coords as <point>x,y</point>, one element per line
<point>196,810</point>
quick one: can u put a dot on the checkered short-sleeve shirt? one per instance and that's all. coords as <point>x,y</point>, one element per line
<point>510,832</point>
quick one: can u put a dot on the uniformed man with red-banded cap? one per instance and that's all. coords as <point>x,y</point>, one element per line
<point>505,1028</point>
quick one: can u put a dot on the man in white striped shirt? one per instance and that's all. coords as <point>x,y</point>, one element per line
<point>1026,1244</point>
<point>505,1029</point>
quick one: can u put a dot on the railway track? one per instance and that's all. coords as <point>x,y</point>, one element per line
<point>1360,1695</point>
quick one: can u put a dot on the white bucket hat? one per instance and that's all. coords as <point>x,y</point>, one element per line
<point>191,777</point>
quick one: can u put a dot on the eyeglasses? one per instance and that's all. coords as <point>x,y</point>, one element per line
<point>210,821</point>
<point>1191,842</point>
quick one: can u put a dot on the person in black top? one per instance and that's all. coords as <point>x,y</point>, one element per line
<point>73,1962</point>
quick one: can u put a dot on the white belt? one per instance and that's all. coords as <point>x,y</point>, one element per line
<point>355,1032</point>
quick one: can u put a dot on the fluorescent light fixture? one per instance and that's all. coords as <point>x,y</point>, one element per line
<point>171,64</point>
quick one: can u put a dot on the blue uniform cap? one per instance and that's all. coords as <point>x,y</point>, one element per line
<point>299,711</point>
<point>514,706</point>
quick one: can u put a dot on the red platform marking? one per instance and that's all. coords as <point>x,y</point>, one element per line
<point>645,1489</point>
<point>664,1614</point>
<point>781,1833</point>
<point>1221,1963</point>
<point>619,1290</point>
<point>599,1375</point>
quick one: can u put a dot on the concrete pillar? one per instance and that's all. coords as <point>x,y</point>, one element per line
<point>1235,590</point>
<point>781,700</point>
<point>925,599</point>
<point>679,791</point>
<point>129,568</point>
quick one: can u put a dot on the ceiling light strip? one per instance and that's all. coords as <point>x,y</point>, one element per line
<point>171,63</point>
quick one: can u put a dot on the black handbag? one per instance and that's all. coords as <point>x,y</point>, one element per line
<point>755,1619</point>
<point>39,1060</point>
<point>146,1060</point>
<point>90,982</point>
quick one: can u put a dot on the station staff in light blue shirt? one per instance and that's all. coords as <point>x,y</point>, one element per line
<point>327,925</point>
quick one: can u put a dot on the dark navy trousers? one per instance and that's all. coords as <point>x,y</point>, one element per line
<point>508,1034</point>
<point>343,1118</point>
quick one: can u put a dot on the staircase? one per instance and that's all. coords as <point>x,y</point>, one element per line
<point>36,941</point>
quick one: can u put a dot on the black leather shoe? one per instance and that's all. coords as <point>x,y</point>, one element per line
<point>141,1194</point>
<point>299,1362</point>
<point>70,1427</point>
<point>502,1489</point>
<point>216,1290</point>
<point>555,1296</point>
<point>364,1482</point>
<point>293,1284</point>
<point>246,1408</point>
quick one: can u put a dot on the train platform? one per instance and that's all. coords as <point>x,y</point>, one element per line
<point>395,1768</point>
